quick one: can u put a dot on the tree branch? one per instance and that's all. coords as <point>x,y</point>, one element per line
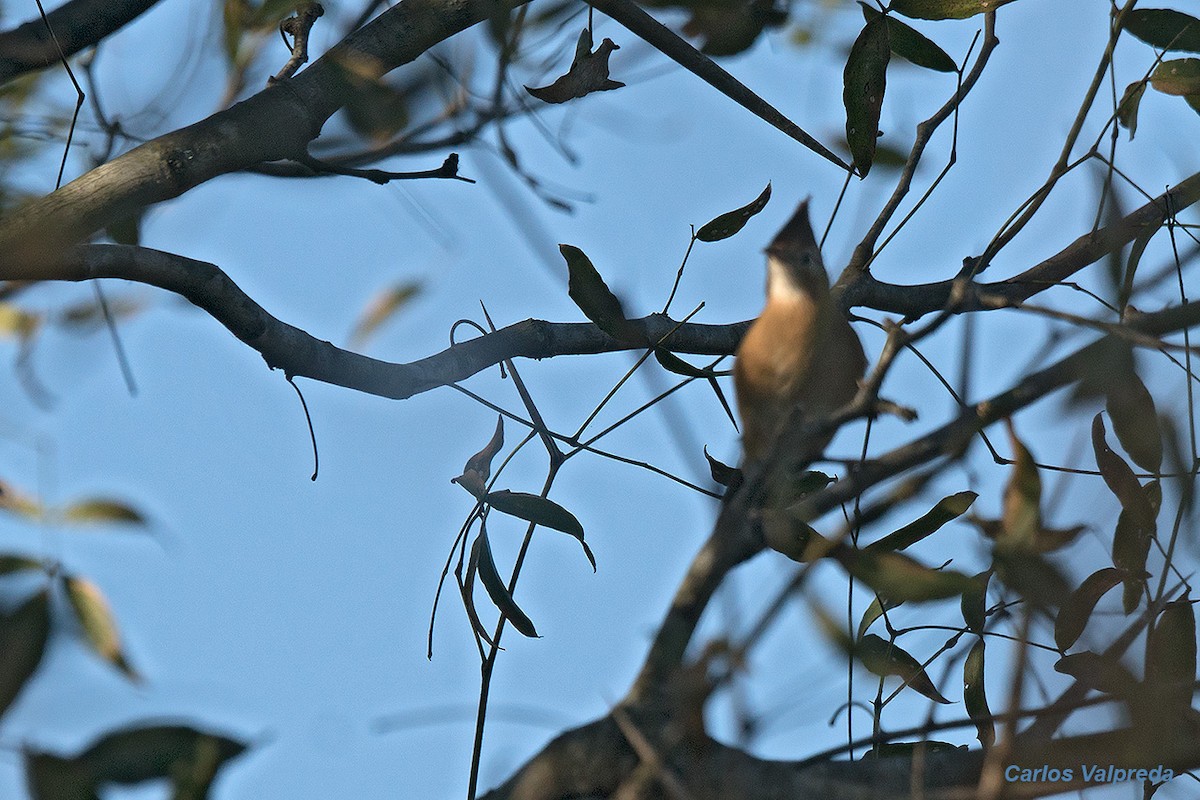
<point>76,24</point>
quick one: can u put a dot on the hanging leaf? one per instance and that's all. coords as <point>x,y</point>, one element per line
<point>136,754</point>
<point>489,576</point>
<point>98,624</point>
<point>944,9</point>
<point>100,510</point>
<point>1077,610</point>
<point>864,82</point>
<point>1022,516</point>
<point>383,307</point>
<point>730,28</point>
<point>23,636</point>
<point>974,602</point>
<point>722,473</point>
<point>1180,76</point>
<point>1038,581</point>
<point>731,222</point>
<point>1135,420</point>
<point>1118,475</point>
<point>975,695</point>
<point>1164,28</point>
<point>900,578</point>
<point>1171,658</point>
<point>792,537</point>
<point>874,611</point>
<point>478,468</point>
<point>594,298</point>
<point>1127,110</point>
<point>912,45</point>
<point>947,509</point>
<point>588,73</point>
<point>673,363</point>
<point>541,511</point>
<point>887,659</point>
<point>1131,546</point>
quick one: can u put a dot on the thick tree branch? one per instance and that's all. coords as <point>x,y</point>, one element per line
<point>277,123</point>
<point>76,24</point>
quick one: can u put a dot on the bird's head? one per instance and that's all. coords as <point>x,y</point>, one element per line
<point>794,264</point>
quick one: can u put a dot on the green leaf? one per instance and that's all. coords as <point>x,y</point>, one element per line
<point>136,754</point>
<point>900,578</point>
<point>592,295</point>
<point>97,621</point>
<point>1180,76</point>
<point>489,576</point>
<point>944,9</point>
<point>1127,110</point>
<point>912,45</point>
<point>887,659</point>
<point>975,695</point>
<point>864,82</point>
<point>541,511</point>
<point>102,510</point>
<point>383,307</point>
<point>947,508</point>
<point>974,602</point>
<point>1164,28</point>
<point>1077,610</point>
<point>23,636</point>
<point>1022,517</point>
<point>731,222</point>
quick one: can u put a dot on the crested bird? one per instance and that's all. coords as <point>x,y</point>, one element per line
<point>800,358</point>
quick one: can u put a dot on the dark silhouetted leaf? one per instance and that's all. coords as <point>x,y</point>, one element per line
<point>97,621</point>
<point>1031,576</point>
<point>731,222</point>
<point>101,510</point>
<point>588,73</point>
<point>975,695</point>
<point>947,508</point>
<point>51,777</point>
<point>1171,657</point>
<point>912,45</point>
<point>1127,110</point>
<point>1118,475</point>
<point>974,602</point>
<point>478,468</point>
<point>721,472</point>
<point>944,9</point>
<point>1131,545</point>
<point>900,578</point>
<point>1180,76</point>
<point>793,537</point>
<point>10,564</point>
<point>135,754</point>
<point>874,612</point>
<point>1135,420</point>
<point>489,576</point>
<point>887,659</point>
<point>1164,28</point>
<point>594,298</point>
<point>542,511</point>
<point>1077,610</point>
<point>1098,672</point>
<point>864,82</point>
<point>23,636</point>
<point>383,307</point>
<point>1022,516</point>
<point>730,28</point>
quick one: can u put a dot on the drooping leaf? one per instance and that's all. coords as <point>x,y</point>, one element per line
<point>594,298</point>
<point>1037,580</point>
<point>588,73</point>
<point>886,658</point>
<point>23,636</point>
<point>1171,657</point>
<point>1118,475</point>
<point>874,611</point>
<point>1077,610</point>
<point>1164,28</point>
<point>1131,545</point>
<point>1127,110</point>
<point>730,28</point>
<point>974,602</point>
<point>729,223</point>
<point>911,44</point>
<point>947,509</point>
<point>786,534</point>
<point>944,9</point>
<point>1135,420</point>
<point>1180,76</point>
<point>101,510</point>
<point>478,468</point>
<point>975,695</point>
<point>542,511</point>
<point>97,621</point>
<point>135,754</point>
<point>722,473</point>
<point>1022,516</point>
<point>489,576</point>
<point>864,82</point>
<point>900,578</point>
<point>383,307</point>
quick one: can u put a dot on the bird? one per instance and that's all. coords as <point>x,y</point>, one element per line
<point>800,356</point>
